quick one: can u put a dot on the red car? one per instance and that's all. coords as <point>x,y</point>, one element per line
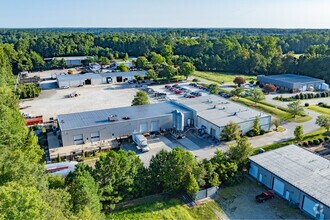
<point>265,196</point>
<point>191,96</point>
<point>177,91</point>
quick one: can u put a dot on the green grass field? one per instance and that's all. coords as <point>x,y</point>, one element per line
<point>268,108</point>
<point>319,109</point>
<point>170,209</point>
<point>221,77</point>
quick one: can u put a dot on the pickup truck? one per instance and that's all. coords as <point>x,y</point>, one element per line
<point>265,196</point>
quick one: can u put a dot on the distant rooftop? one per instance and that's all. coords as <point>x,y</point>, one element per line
<point>290,78</point>
<point>221,111</point>
<point>301,168</point>
<point>68,77</point>
<point>68,58</point>
<point>100,117</point>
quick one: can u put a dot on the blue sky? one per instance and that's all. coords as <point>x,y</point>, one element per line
<point>165,13</point>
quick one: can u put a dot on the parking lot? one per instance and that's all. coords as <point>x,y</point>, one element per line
<point>186,90</point>
<point>54,101</point>
<point>238,202</point>
<point>201,148</point>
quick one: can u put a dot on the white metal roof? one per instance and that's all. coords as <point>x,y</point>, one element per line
<point>301,168</point>
<point>221,111</point>
<point>100,117</point>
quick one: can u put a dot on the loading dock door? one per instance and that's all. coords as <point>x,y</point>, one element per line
<point>143,127</point>
<point>253,170</point>
<point>95,136</point>
<point>78,139</point>
<point>309,205</point>
<point>278,186</point>
<point>212,132</point>
<point>119,79</point>
<point>154,126</point>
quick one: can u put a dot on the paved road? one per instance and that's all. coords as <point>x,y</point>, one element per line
<point>274,137</point>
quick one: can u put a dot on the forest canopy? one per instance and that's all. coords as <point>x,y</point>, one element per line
<point>246,51</point>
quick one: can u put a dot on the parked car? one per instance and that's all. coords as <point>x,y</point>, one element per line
<point>177,91</point>
<point>191,96</point>
<point>265,196</point>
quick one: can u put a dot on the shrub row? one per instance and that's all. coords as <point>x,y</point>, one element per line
<point>324,105</point>
<point>302,96</point>
<point>314,142</point>
<point>251,133</point>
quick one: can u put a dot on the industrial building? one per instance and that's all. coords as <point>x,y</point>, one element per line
<point>297,175</point>
<point>293,83</point>
<point>93,126</point>
<point>212,113</point>
<point>209,114</point>
<point>73,80</point>
<point>70,61</point>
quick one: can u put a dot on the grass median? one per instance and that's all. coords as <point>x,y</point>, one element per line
<point>169,209</point>
<point>320,133</point>
<point>219,77</point>
<point>319,109</point>
<point>278,112</point>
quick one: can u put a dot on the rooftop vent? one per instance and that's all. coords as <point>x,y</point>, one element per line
<point>112,118</point>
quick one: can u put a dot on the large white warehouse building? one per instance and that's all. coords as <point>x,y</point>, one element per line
<point>209,113</point>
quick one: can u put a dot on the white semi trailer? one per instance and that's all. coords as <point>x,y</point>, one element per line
<point>140,141</point>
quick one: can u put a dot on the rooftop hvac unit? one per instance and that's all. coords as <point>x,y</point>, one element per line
<point>112,118</point>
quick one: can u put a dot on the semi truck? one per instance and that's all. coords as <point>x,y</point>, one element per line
<point>140,141</point>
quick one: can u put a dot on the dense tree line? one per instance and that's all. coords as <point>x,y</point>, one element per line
<point>120,176</point>
<point>249,51</point>
<point>26,191</point>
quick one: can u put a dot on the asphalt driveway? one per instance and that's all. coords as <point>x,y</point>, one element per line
<point>238,202</point>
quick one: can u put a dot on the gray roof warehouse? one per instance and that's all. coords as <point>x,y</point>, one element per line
<point>297,175</point>
<point>293,82</point>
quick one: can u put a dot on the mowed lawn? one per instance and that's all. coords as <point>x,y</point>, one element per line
<point>170,209</point>
<point>227,78</point>
<point>319,109</point>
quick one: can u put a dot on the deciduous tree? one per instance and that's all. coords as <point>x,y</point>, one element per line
<point>141,98</point>
<point>299,133</point>
<point>213,88</point>
<point>257,95</point>
<point>294,108</point>
<point>239,80</point>
<point>323,121</point>
<point>231,131</point>
<point>186,69</point>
